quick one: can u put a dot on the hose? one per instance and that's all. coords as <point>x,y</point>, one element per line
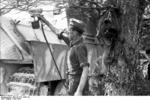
<point>51,53</point>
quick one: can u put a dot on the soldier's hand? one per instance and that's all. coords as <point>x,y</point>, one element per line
<point>78,93</point>
<point>60,36</point>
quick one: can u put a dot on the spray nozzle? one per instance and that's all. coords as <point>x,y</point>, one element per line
<point>35,12</point>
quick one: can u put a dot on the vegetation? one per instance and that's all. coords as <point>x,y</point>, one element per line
<point>127,79</point>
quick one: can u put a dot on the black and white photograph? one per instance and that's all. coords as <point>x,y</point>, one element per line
<point>74,48</point>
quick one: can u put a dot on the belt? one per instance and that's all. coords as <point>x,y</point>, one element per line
<point>97,76</point>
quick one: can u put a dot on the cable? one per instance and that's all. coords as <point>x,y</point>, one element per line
<point>51,53</point>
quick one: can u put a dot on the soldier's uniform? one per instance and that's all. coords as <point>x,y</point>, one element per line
<point>77,59</point>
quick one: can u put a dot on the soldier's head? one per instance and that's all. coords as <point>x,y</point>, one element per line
<point>76,30</point>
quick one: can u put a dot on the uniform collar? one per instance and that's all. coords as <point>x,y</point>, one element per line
<point>76,42</point>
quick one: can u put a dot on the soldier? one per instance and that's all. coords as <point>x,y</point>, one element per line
<point>77,61</point>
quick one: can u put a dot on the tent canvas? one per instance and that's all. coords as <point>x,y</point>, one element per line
<point>9,39</point>
<point>44,66</point>
<point>11,46</point>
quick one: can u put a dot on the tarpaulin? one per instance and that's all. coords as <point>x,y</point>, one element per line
<point>12,43</point>
<point>44,67</point>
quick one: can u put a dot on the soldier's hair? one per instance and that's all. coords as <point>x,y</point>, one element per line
<point>80,31</point>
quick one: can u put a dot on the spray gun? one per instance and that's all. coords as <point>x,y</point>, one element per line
<point>34,14</point>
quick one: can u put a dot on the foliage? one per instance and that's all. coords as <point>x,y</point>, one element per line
<point>121,80</point>
<point>8,5</point>
<point>84,9</point>
<point>24,5</point>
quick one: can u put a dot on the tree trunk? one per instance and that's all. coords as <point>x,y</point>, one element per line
<point>129,80</point>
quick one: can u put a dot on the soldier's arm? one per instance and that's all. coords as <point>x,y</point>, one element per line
<point>44,20</point>
<point>64,38</point>
<point>55,30</point>
<point>82,55</point>
<point>83,81</point>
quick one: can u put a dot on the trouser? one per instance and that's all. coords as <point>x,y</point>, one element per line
<point>73,85</point>
<point>96,85</point>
